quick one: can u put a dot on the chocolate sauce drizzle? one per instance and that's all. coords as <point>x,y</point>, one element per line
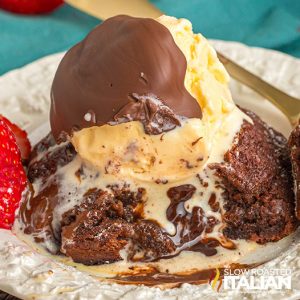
<point>153,277</point>
<point>154,115</point>
<point>189,226</point>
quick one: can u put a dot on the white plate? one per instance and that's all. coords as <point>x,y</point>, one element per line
<point>24,99</point>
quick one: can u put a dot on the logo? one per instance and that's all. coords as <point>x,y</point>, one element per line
<point>251,279</point>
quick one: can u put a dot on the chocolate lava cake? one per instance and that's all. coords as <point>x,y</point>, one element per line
<point>256,183</point>
<point>294,145</point>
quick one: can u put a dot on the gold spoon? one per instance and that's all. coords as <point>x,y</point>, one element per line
<point>104,9</point>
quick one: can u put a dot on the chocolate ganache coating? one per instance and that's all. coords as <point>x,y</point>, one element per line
<point>126,69</point>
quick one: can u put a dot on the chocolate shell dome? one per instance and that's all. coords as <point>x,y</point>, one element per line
<point>122,61</point>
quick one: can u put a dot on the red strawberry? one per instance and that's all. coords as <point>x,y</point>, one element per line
<point>12,176</point>
<point>21,137</point>
<point>30,6</point>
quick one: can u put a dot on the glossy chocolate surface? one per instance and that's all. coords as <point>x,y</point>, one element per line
<point>125,69</point>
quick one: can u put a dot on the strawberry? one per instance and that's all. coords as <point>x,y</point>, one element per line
<point>21,137</point>
<point>30,6</point>
<point>12,176</point>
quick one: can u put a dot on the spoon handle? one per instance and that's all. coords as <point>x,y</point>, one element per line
<point>289,105</point>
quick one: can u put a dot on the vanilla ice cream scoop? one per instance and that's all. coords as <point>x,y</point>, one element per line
<point>206,78</point>
<point>125,150</point>
<point>137,139</point>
